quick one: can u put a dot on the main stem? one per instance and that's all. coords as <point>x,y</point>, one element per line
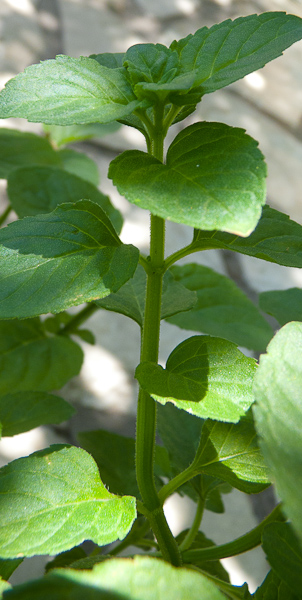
<point>146,410</point>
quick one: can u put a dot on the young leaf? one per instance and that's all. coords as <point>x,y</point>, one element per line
<point>68,504</point>
<point>284,554</point>
<point>276,239</point>
<point>231,453</point>
<point>68,91</point>
<point>32,360</point>
<point>141,578</point>
<point>284,305</point>
<point>207,377</point>
<point>222,309</point>
<point>130,299</point>
<point>35,190</point>
<point>80,164</point>
<point>61,135</point>
<point>25,410</point>
<point>278,415</point>
<point>53,261</point>
<point>214,178</point>
<point>230,50</point>
<point>18,149</point>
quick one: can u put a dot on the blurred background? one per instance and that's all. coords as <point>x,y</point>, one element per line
<point>267,103</point>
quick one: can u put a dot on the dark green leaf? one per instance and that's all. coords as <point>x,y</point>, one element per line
<point>68,504</point>
<point>273,588</point>
<point>230,50</point>
<point>112,60</point>
<point>214,567</point>
<point>278,416</point>
<point>130,299</point>
<point>141,578</point>
<point>64,559</point>
<point>7,567</point>
<point>61,135</point>
<point>207,377</point>
<point>53,261</point>
<point>68,91</point>
<point>276,239</point>
<point>222,309</point>
<point>38,190</point>
<point>284,554</point>
<point>115,457</point>
<point>25,410</point>
<point>284,305</point>
<point>80,164</point>
<point>18,149</point>
<point>214,178</point>
<point>32,360</point>
<point>230,452</point>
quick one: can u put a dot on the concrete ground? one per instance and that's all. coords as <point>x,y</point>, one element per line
<point>268,104</point>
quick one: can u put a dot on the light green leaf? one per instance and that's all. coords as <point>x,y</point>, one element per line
<point>230,50</point>
<point>18,149</point>
<point>278,416</point>
<point>214,178</point>
<point>276,239</point>
<point>130,299</point>
<point>222,309</point>
<point>37,190</point>
<point>80,164</point>
<point>68,91</point>
<point>231,453</point>
<point>53,261</point>
<point>284,305</point>
<point>61,135</point>
<point>207,377</point>
<point>284,554</point>
<point>4,585</point>
<point>141,578</point>
<point>68,504</point>
<point>32,360</point>
<point>25,410</point>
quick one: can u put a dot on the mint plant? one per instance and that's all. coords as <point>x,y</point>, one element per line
<point>224,422</point>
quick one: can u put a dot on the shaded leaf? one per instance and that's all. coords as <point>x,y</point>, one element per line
<point>18,149</point>
<point>25,410</point>
<point>273,588</point>
<point>276,239</point>
<point>68,504</point>
<point>7,567</point>
<point>80,164</point>
<point>230,50</point>
<point>284,305</point>
<point>112,60</point>
<point>130,299</point>
<point>37,190</point>
<point>284,554</point>
<point>207,377</point>
<point>278,416</point>
<point>65,559</point>
<point>141,578</point>
<point>32,360</point>
<point>53,261</point>
<point>214,178</point>
<point>61,135</point>
<point>222,309</point>
<point>68,91</point>
<point>214,567</point>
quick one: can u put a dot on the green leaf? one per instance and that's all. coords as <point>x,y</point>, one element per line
<point>141,578</point>
<point>231,453</point>
<point>284,305</point>
<point>273,588</point>
<point>61,135</point>
<point>25,410</point>
<point>53,261</point>
<point>37,190</point>
<point>214,178</point>
<point>214,567</point>
<point>7,567</point>
<point>276,239</point>
<point>112,60</point>
<point>207,377</point>
<point>68,91</point>
<point>4,585</point>
<point>222,309</point>
<point>130,299</point>
<point>115,457</point>
<point>18,149</point>
<point>278,416</point>
<point>284,554</point>
<point>68,504</point>
<point>80,164</point>
<point>230,50</point>
<point>65,559</point>
<point>32,360</point>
